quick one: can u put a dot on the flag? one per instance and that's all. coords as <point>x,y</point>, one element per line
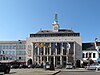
<point>41,44</point>
<point>62,46</point>
<point>55,45</point>
<point>36,45</point>
<point>68,45</point>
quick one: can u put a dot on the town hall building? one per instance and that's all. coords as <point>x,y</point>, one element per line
<point>57,46</point>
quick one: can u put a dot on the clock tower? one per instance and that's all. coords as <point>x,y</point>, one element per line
<point>55,24</point>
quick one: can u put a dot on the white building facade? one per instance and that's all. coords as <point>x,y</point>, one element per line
<point>90,54</point>
<point>91,51</point>
<point>57,46</point>
<point>13,50</point>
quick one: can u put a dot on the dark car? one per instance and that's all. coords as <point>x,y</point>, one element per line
<point>23,66</point>
<point>49,66</point>
<point>15,66</point>
<point>4,68</point>
<point>38,66</point>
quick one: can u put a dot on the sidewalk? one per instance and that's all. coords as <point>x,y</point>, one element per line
<point>77,70</point>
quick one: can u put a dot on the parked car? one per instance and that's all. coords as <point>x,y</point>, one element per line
<point>47,66</point>
<point>39,65</point>
<point>4,68</point>
<point>69,66</point>
<point>92,66</point>
<point>31,66</point>
<point>15,66</point>
<point>23,66</point>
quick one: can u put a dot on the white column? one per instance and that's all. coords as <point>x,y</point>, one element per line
<point>62,49</point>
<point>41,58</point>
<point>44,50</point>
<point>47,54</point>
<point>50,49</point>
<point>67,53</point>
<point>38,60</point>
<point>56,50</point>
<point>66,57</point>
<point>38,50</point>
<point>74,56</point>
<point>54,60</point>
<point>35,58</point>
<point>60,60</point>
<point>61,53</point>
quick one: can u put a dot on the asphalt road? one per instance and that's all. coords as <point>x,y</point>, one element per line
<point>79,73</point>
<point>31,72</point>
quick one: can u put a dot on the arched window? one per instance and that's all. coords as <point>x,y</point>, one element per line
<point>83,55</point>
<point>86,55</point>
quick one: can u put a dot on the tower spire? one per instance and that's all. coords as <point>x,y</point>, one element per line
<point>56,19</point>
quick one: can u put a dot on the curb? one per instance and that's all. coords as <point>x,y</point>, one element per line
<point>78,70</point>
<point>56,72</point>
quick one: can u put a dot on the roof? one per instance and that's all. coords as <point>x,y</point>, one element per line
<point>98,43</point>
<point>13,42</point>
<point>59,31</point>
<point>88,46</point>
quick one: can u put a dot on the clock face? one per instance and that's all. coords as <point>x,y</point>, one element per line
<point>55,28</point>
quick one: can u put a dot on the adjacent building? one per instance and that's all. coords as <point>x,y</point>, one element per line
<point>57,46</point>
<point>13,50</point>
<point>91,51</point>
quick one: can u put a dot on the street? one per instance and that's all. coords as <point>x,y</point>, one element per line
<point>31,72</point>
<point>78,73</point>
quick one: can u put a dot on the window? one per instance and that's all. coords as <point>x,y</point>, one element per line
<point>93,55</point>
<point>89,55</point>
<point>3,47</point>
<point>83,55</point>
<point>19,57</point>
<point>99,55</point>
<point>0,47</point>
<point>14,47</point>
<point>86,55</point>
<point>3,52</point>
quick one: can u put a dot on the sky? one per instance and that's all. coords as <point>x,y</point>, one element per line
<point>20,18</point>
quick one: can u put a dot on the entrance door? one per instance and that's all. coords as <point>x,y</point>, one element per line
<point>78,64</point>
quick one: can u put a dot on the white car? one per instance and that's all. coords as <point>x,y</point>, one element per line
<point>93,67</point>
<point>47,66</point>
<point>69,66</point>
